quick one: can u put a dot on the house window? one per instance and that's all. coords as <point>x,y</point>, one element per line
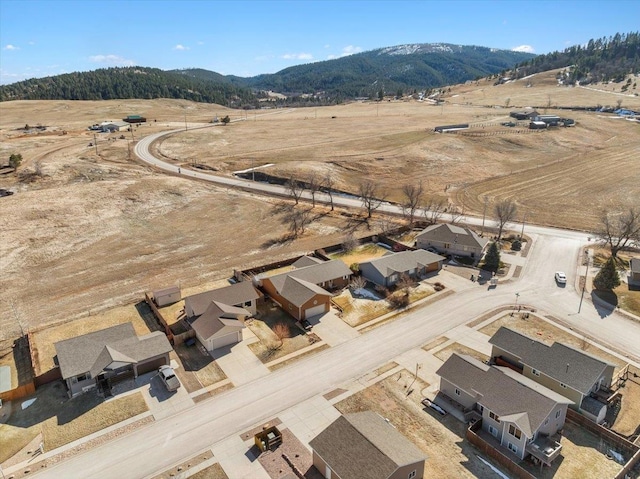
<point>535,372</point>
<point>411,475</point>
<point>247,303</point>
<point>513,448</point>
<point>558,412</point>
<point>563,385</point>
<point>493,431</point>
<point>480,408</point>
<point>457,392</point>
<point>81,377</point>
<point>515,432</point>
<point>447,245</point>
<point>493,416</point>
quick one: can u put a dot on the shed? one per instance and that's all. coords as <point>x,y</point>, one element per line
<point>170,295</point>
<point>537,125</point>
<point>134,119</point>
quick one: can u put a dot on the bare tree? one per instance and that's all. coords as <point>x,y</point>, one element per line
<point>504,212</point>
<point>617,230</point>
<point>282,332</point>
<point>433,210</point>
<point>412,198</point>
<point>349,243</point>
<point>454,214</point>
<point>295,188</point>
<point>358,282</point>
<point>385,225</point>
<point>297,219</point>
<point>314,184</point>
<point>329,184</point>
<point>371,196</point>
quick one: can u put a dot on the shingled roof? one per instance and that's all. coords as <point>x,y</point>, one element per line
<point>513,397</point>
<point>364,446</point>
<point>448,233</point>
<point>315,274</point>
<point>92,352</point>
<point>234,294</point>
<point>219,319</point>
<point>403,261</point>
<point>569,366</point>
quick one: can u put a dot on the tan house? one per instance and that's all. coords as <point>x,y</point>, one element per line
<point>241,295</point>
<point>364,445</point>
<point>389,269</point>
<point>518,416</point>
<point>574,374</point>
<point>451,239</point>
<point>305,292</point>
<point>102,358</point>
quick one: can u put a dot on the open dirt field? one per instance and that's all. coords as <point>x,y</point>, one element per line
<point>87,230</point>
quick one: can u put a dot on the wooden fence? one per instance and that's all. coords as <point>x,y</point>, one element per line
<point>19,392</point>
<point>618,441</point>
<point>161,321</point>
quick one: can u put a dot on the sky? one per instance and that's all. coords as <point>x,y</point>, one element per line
<point>246,38</point>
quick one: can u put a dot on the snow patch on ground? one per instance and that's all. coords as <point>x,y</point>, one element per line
<point>364,293</point>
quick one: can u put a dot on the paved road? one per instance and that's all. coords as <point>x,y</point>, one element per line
<point>156,447</point>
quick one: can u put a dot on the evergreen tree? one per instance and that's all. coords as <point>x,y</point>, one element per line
<point>607,278</point>
<point>15,159</point>
<point>492,258</point>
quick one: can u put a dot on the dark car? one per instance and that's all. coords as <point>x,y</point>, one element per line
<point>306,325</point>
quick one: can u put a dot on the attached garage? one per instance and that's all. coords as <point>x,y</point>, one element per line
<point>152,364</point>
<point>224,340</point>
<point>316,310</point>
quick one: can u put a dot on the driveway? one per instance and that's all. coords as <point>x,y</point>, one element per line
<point>332,329</point>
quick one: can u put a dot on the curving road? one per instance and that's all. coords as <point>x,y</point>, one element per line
<point>159,445</point>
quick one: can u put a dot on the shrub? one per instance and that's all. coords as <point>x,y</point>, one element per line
<point>399,299</point>
<point>516,245</point>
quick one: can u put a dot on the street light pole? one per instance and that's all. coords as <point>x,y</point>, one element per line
<point>524,217</point>
<point>586,273</point>
<point>484,214</point>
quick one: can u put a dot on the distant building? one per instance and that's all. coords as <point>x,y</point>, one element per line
<point>550,120</point>
<point>526,114</point>
<point>134,119</point>
<point>111,126</point>
<point>537,125</point>
<point>445,128</point>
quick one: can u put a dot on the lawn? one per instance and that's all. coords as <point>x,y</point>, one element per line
<point>270,347</point>
<point>627,420</point>
<point>199,365</point>
<point>359,254</point>
<point>62,420</point>
<point>440,438</point>
<point>435,343</point>
<point>445,353</point>
<point>541,330</point>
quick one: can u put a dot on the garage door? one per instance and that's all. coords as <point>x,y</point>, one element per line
<point>316,310</point>
<point>433,266</point>
<point>231,338</point>
<point>151,365</point>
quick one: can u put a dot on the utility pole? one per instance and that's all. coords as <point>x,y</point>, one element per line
<point>131,130</point>
<point>586,274</point>
<point>95,143</point>
<point>484,213</point>
<point>185,121</point>
<point>129,149</point>
<point>524,217</point>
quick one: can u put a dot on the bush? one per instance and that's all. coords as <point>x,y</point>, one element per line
<point>355,267</point>
<point>438,286</point>
<point>399,299</point>
<point>516,245</point>
<point>607,278</point>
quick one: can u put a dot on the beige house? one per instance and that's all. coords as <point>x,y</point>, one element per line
<point>103,358</point>
<point>574,374</point>
<point>451,239</point>
<point>364,445</point>
<point>305,292</point>
<point>241,295</point>
<point>389,269</point>
<point>518,416</point>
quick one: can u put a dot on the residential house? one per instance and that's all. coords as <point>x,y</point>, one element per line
<point>305,292</point>
<point>451,239</point>
<point>165,296</point>
<point>111,126</point>
<point>104,357</point>
<point>306,261</point>
<point>364,445</point>
<point>634,273</point>
<point>574,374</point>
<point>218,316</point>
<point>526,114</point>
<point>389,269</point>
<point>518,415</point>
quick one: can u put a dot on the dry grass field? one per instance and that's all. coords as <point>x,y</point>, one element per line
<point>94,230</point>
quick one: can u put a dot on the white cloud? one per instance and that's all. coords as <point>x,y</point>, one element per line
<point>112,60</point>
<point>11,47</point>
<point>524,48</point>
<point>298,56</point>
<point>180,47</point>
<point>200,43</point>
<point>346,51</point>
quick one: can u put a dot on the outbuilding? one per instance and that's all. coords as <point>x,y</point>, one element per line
<point>170,295</point>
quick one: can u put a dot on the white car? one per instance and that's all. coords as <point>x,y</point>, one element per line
<point>168,377</point>
<point>561,278</point>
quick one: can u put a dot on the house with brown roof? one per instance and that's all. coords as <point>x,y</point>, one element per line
<point>305,292</point>
<point>390,268</point>
<point>518,415</point>
<point>364,445</point>
<point>218,316</point>
<point>574,374</point>
<point>102,358</point>
<point>451,239</point>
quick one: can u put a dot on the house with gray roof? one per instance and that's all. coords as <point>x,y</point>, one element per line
<point>451,239</point>
<point>519,416</point>
<point>306,261</point>
<point>389,269</point>
<point>305,291</point>
<point>241,295</point>
<point>364,445</point>
<point>575,374</point>
<point>102,358</point>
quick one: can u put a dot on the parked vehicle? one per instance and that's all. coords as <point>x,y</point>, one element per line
<point>561,278</point>
<point>168,377</point>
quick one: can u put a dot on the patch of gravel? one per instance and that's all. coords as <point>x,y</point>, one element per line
<point>278,468</point>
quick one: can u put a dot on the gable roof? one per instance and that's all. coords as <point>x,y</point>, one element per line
<point>563,363</point>
<point>315,274</point>
<point>513,397</point>
<point>453,234</point>
<point>364,446</point>
<point>306,261</point>
<point>219,320</point>
<point>237,293</point>
<point>94,351</point>
<point>403,261</point>
<point>298,291</point>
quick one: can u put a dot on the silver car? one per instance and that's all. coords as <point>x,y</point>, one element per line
<point>561,278</point>
<point>168,377</point>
